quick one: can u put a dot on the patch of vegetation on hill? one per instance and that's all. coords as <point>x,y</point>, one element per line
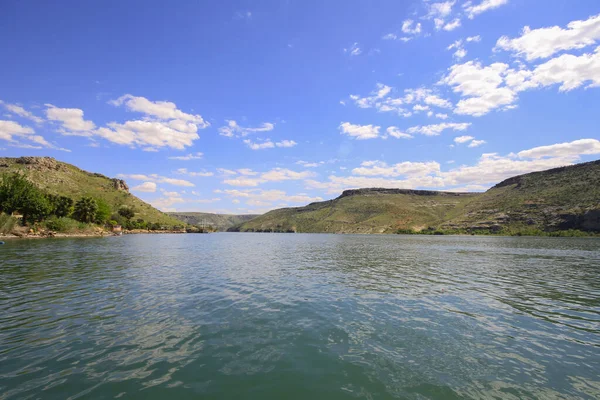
<point>220,222</point>
<point>61,179</point>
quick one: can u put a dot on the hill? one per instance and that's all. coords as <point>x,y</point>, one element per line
<point>221,222</point>
<point>64,179</point>
<point>363,211</point>
<point>557,199</point>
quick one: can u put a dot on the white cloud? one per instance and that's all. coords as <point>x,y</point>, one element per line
<point>249,178</point>
<point>191,156</point>
<point>157,178</point>
<point>441,116</point>
<point>545,42</point>
<point>146,187</point>
<point>234,129</point>
<point>307,164</point>
<point>483,6</point>
<point>407,168</point>
<point>354,50</point>
<point>463,139</point>
<point>440,10</point>
<point>184,171</point>
<point>21,112</point>
<point>420,107</point>
<point>569,71</point>
<point>360,132</point>
<point>575,148</point>
<point>71,120</point>
<point>286,143</point>
<point>452,25</point>
<point>164,110</point>
<point>473,39</point>
<point>409,27</point>
<point>12,132</point>
<point>283,174</point>
<point>436,129</point>
<point>476,143</point>
<point>394,131</point>
<point>381,99</point>
<point>259,197</point>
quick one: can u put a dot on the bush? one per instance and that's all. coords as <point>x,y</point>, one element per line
<point>85,209</point>
<point>18,194</point>
<point>63,224</point>
<point>103,212</point>
<point>7,223</point>
<point>126,212</point>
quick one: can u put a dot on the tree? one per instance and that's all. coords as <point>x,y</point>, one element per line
<point>19,194</point>
<point>85,209</point>
<point>62,206</point>
<point>103,212</point>
<point>126,212</point>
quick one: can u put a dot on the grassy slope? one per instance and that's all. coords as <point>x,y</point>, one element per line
<point>537,199</point>
<point>220,221</point>
<point>547,200</point>
<point>65,179</point>
<point>364,213</point>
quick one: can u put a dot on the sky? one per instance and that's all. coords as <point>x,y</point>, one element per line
<point>246,106</point>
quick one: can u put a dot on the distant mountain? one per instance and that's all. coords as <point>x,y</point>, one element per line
<point>60,178</point>
<point>557,199</point>
<point>221,222</point>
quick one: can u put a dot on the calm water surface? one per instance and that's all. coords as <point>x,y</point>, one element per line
<point>268,316</point>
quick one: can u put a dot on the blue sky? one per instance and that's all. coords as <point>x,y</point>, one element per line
<point>246,106</point>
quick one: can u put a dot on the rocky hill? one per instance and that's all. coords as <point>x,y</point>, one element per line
<point>221,222</point>
<point>557,199</point>
<point>61,178</point>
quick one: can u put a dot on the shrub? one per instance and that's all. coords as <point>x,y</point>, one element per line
<point>103,212</point>
<point>62,224</point>
<point>18,194</point>
<point>85,209</point>
<point>7,223</point>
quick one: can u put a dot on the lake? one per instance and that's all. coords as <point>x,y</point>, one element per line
<point>297,316</point>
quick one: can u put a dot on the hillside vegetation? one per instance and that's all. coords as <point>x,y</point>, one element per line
<point>220,222</point>
<point>566,198</point>
<point>363,211</point>
<point>62,179</point>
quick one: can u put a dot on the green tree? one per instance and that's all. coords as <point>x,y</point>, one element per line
<point>85,209</point>
<point>103,212</point>
<point>19,194</point>
<point>62,206</point>
<point>126,212</point>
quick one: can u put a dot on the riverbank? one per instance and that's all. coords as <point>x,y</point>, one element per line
<point>98,232</point>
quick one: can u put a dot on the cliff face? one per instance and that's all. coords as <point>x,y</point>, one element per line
<point>412,192</point>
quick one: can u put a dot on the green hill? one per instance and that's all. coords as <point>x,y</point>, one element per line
<point>363,211</point>
<point>221,222</point>
<point>60,178</point>
<point>557,199</point>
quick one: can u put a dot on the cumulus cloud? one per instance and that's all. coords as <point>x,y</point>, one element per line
<point>490,169</point>
<point>146,187</point>
<point>410,27</point>
<point>71,120</point>
<point>21,112</point>
<point>545,42</point>
<point>395,132</point>
<point>13,133</point>
<point>234,129</point>
<point>246,177</point>
<point>436,129</point>
<point>483,6</point>
<point>359,132</point>
<point>476,143</point>
<point>258,197</point>
<point>463,139</point>
<point>184,171</point>
<point>163,110</point>
<point>381,99</point>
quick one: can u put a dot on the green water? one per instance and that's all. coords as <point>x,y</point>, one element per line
<point>276,316</point>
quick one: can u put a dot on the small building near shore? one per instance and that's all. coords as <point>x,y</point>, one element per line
<point>117,229</point>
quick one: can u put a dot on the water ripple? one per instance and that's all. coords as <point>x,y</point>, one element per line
<point>293,316</point>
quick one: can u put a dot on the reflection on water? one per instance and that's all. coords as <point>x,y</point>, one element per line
<point>292,316</point>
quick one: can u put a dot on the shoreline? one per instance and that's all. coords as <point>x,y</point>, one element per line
<point>99,234</point>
